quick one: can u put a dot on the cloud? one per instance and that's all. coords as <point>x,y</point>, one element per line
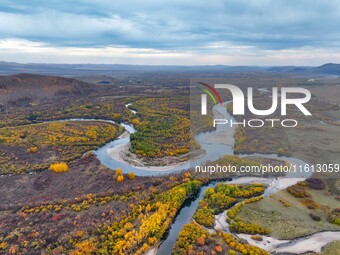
<point>233,27</point>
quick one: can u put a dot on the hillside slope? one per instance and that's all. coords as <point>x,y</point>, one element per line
<point>22,89</point>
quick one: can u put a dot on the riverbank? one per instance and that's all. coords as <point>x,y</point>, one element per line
<point>301,245</point>
<point>122,154</point>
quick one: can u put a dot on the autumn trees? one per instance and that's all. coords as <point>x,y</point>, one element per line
<point>163,128</point>
<point>146,224</point>
<point>248,228</point>
<point>120,177</point>
<point>214,202</point>
<point>238,226</point>
<point>59,167</point>
<point>236,245</point>
<point>194,239</point>
<point>191,234</point>
<point>222,197</point>
<point>132,175</point>
<point>30,148</point>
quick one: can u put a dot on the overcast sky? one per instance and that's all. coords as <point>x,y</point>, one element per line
<point>181,32</point>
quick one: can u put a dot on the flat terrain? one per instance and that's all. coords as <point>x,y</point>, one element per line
<point>329,93</point>
<point>315,142</point>
<point>272,213</point>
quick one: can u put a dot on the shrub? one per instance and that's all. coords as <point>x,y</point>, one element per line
<point>132,176</point>
<point>57,217</point>
<point>120,178</point>
<point>200,240</point>
<point>3,245</point>
<point>218,248</point>
<point>285,203</point>
<point>298,191</point>
<point>257,238</point>
<point>59,167</point>
<point>309,203</point>
<point>336,211</point>
<point>233,243</point>
<point>315,217</point>
<point>188,237</point>
<point>136,122</point>
<point>205,217</point>
<point>335,220</point>
<point>316,183</point>
<point>33,149</point>
<point>119,171</point>
<point>241,227</point>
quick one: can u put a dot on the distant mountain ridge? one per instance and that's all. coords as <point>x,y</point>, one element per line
<point>31,87</point>
<point>330,68</point>
<point>326,69</point>
<point>110,69</point>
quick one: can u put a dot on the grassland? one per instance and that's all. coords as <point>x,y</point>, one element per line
<point>315,142</point>
<point>279,208</point>
<point>315,139</point>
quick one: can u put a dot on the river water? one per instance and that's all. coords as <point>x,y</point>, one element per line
<point>214,151</point>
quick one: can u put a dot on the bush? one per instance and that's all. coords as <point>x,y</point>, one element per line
<point>120,178</point>
<point>241,227</point>
<point>309,203</point>
<point>285,203</point>
<point>335,220</point>
<point>242,248</point>
<point>316,183</point>
<point>190,235</point>
<point>257,238</point>
<point>298,191</point>
<point>119,171</point>
<point>33,149</point>
<point>336,211</point>
<point>205,217</point>
<point>200,241</point>
<point>218,248</point>
<point>59,167</point>
<point>132,176</point>
<point>315,217</point>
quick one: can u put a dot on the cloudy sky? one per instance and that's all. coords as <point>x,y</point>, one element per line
<point>182,32</point>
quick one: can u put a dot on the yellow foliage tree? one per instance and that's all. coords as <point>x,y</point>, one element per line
<point>33,149</point>
<point>136,122</point>
<point>116,116</point>
<point>119,171</point>
<point>59,167</point>
<point>132,176</point>
<point>120,178</point>
<point>3,245</point>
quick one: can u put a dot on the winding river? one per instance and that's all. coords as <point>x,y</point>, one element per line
<point>214,150</point>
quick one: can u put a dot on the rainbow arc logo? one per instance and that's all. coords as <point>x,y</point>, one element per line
<point>213,90</point>
<point>209,90</point>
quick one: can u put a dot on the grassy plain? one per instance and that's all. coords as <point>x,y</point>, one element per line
<point>288,222</point>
